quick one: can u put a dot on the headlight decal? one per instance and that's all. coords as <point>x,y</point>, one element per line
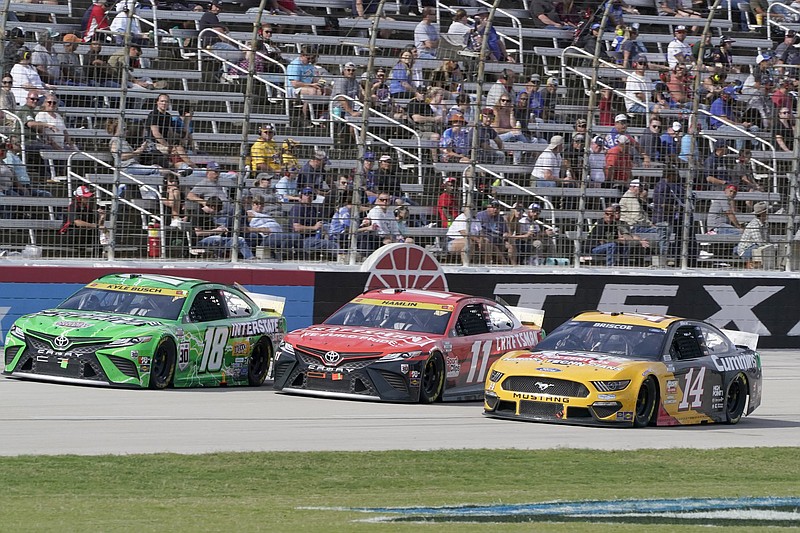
<point>612,385</point>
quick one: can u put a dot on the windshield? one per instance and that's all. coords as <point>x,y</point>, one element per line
<point>389,317</point>
<point>125,303</point>
<point>619,339</point>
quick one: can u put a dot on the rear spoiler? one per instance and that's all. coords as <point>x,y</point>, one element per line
<point>742,338</point>
<point>529,317</point>
<point>266,302</point>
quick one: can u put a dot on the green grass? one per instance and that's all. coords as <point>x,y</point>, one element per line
<point>262,491</point>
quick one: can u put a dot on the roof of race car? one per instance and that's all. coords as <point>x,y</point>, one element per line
<point>414,295</point>
<point>632,319</point>
<point>150,281</point>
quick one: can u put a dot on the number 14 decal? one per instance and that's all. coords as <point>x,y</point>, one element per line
<point>480,352</point>
<point>693,388</point>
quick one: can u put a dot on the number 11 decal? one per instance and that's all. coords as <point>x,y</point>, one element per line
<point>480,351</point>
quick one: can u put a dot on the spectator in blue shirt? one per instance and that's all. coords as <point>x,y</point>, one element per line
<point>455,141</point>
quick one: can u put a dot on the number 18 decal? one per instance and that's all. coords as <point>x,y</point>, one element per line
<point>480,352</point>
<point>693,388</point>
<point>214,349</point>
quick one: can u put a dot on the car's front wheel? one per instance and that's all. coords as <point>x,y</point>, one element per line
<point>645,404</point>
<point>162,367</point>
<point>735,400</point>
<point>432,379</point>
<point>258,366</point>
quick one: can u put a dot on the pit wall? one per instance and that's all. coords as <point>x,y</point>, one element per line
<point>767,306</point>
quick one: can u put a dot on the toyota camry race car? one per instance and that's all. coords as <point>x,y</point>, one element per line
<point>631,370</point>
<point>143,330</point>
<point>404,345</point>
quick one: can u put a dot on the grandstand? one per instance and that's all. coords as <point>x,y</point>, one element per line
<point>222,92</point>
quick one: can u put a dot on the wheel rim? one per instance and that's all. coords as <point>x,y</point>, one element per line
<point>644,403</point>
<point>258,361</point>
<point>735,401</point>
<point>430,378</point>
<point>160,364</point>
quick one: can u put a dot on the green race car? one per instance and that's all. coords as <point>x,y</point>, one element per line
<point>145,330</point>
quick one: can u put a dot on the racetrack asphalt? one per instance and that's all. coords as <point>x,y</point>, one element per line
<point>48,419</point>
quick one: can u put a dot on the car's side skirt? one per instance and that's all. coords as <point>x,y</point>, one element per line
<point>328,394</point>
<point>75,381</point>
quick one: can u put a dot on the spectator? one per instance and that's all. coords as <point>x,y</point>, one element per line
<point>401,79</point>
<point>495,230</point>
<point>548,95</point>
<point>45,59</point>
<point>757,87</point>
<point>264,230</point>
<point>637,88</point>
<point>7,101</point>
<point>449,77</point>
<point>573,158</point>
<point>369,177</point>
<point>620,129</point>
<point>96,68</point>
<point>535,240</point>
<point>447,203</point>
<point>313,174</point>
<point>668,207</point>
<point>211,231</point>
<point>461,25</point>
<point>597,162</point>
<point>619,161</point>
<point>70,62</point>
<point>307,222</point>
<point>631,47</point>
<point>522,112</point>
<point>545,15</point>
<point>755,234</point>
<point>262,186</point>
<point>652,148</point>
<point>612,239</point>
<point>535,99</point>
<point>671,140</point>
<point>163,132</point>
<point>494,43</point>
<point>16,41</point>
<point>464,107</point>
<point>381,96</point>
<point>455,142</point>
<point>716,167</point>
<point>608,107</point>
<point>285,7</point>
<point>117,62</point>
<point>722,214</point>
<point>742,175</point>
<point>678,52</point>
<point>426,34</point>
<point>26,78</point>
<point>56,136</point>
<point>722,55</point>
<point>119,25</point>
<point>633,213</point>
<point>675,8</point>
<point>387,177</point>
<point>339,227</point>
<point>488,139</point>
<point>782,95</point>
<point>210,21</point>
<point>383,223</point>
<point>348,93</point>
<point>301,78</point>
<point>786,52</point>
<point>547,170</point>
<point>401,217</point>
<point>503,86</point>
<point>83,219</point>
<point>209,188</point>
<point>507,128</point>
<point>265,152</point>
<point>286,188</point>
<point>464,237</point>
<point>425,119</point>
<point>22,185</point>
<point>95,20</point>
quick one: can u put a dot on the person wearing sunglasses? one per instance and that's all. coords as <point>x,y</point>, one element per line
<point>57,135</point>
<point>349,93</point>
<point>7,100</point>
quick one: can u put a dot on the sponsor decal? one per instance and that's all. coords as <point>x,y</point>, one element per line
<point>598,361</point>
<point>252,328</point>
<point>332,358</point>
<point>144,360</point>
<point>624,416</point>
<point>384,337</point>
<point>183,355</point>
<point>240,348</point>
<point>546,369</point>
<point>716,392</point>
<point>323,368</point>
<point>414,374</point>
<point>453,366</point>
<point>606,396</point>
<point>517,341</point>
<point>110,319</point>
<point>672,386</point>
<point>742,512</point>
<point>717,406</point>
<point>71,324</point>
<point>612,326</point>
<point>745,361</point>
<point>540,397</point>
<point>401,303</point>
<point>404,368</point>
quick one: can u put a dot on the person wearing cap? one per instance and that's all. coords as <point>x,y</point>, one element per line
<point>454,146</point>
<point>668,208</point>
<point>461,25</point>
<point>16,41</point>
<point>45,59</point>
<point>447,202</point>
<point>589,42</point>
<point>426,34</point>
<point>488,139</point>
<point>70,63</point>
<point>534,240</point>
<point>619,161</point>
<point>210,21</point>
<point>211,229</point>
<point>464,237</point>
<point>313,174</point>
<point>678,51</point>
<point>786,52</point>
<point>722,213</point>
<point>632,46</point>
<point>494,229</point>
<point>83,220</point>
<point>611,238</point>
<point>348,93</point>
<point>494,44</point>
<point>286,186</point>
<point>549,98</point>
<point>120,24</point>
<point>301,77</point>
<point>717,168</point>
<point>722,55</point>
<point>620,128</point>
<point>724,117</point>
<point>597,161</point>
<point>369,177</point>
<point>632,212</point>
<point>96,20</point>
<point>265,152</point>
<point>755,234</point>
<point>782,94</point>
<point>307,221</point>
<point>208,188</point>
<point>549,165</point>
<point>545,15</point>
<point>573,157</point>
<point>387,177</point>
<point>637,87</point>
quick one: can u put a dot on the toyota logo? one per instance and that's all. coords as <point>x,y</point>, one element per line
<point>61,342</point>
<point>332,357</point>
<point>543,386</point>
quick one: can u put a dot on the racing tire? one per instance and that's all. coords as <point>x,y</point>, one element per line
<point>735,400</point>
<point>162,367</point>
<point>259,363</point>
<point>645,404</point>
<point>432,383</point>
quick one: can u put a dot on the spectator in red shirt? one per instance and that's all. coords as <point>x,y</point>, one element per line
<point>447,204</point>
<point>95,20</point>
<point>619,161</point>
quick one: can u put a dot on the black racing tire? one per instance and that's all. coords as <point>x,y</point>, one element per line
<point>432,383</point>
<point>735,400</point>
<point>645,404</point>
<point>162,367</point>
<point>259,362</point>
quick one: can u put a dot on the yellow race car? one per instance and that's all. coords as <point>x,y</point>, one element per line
<point>629,370</point>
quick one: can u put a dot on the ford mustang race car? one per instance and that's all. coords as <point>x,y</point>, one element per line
<point>404,345</point>
<point>631,370</point>
<point>144,330</point>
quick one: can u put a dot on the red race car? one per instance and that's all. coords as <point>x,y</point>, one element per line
<point>404,345</point>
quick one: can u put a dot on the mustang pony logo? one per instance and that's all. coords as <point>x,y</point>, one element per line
<point>543,386</point>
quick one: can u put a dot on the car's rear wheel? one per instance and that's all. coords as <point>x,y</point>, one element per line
<point>735,400</point>
<point>432,383</point>
<point>645,404</point>
<point>162,367</point>
<point>258,365</point>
